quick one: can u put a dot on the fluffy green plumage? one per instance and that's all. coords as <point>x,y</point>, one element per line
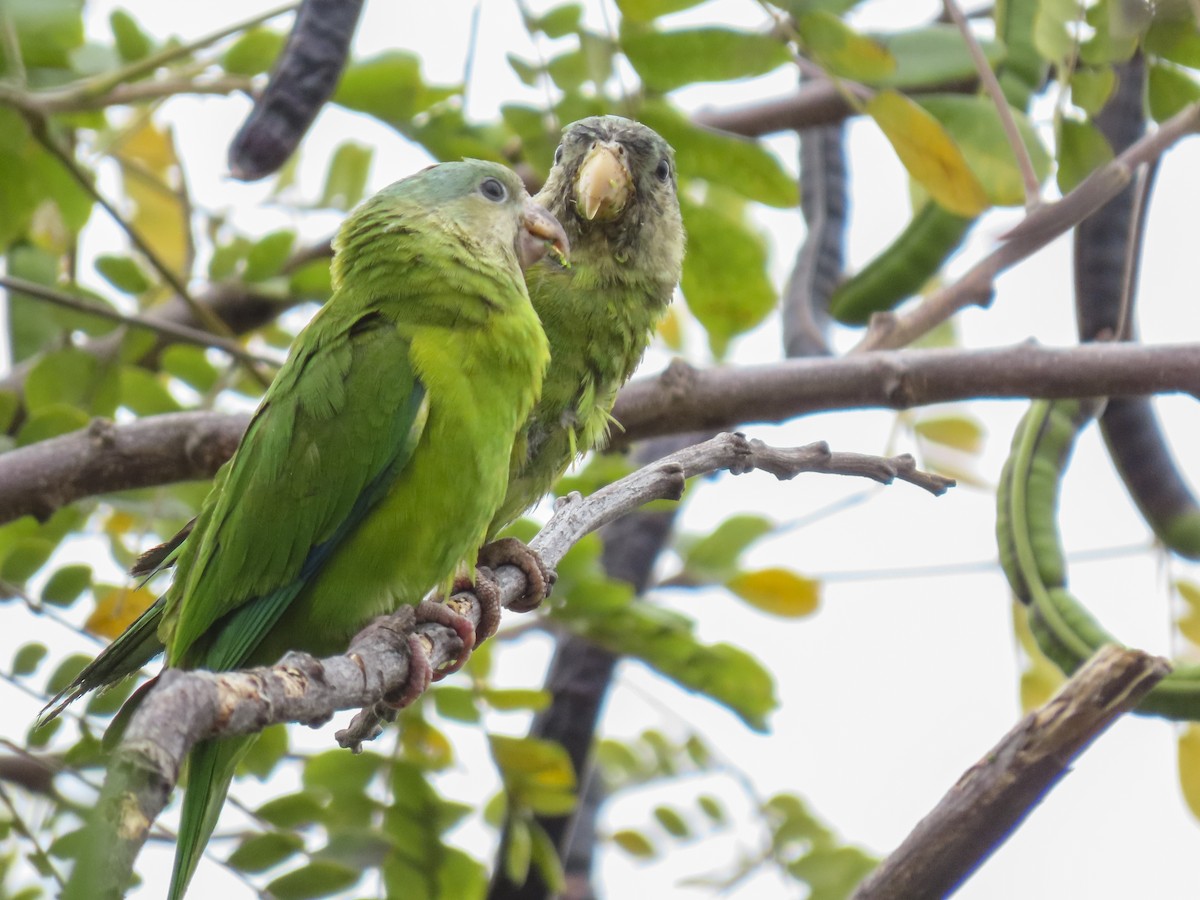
<point>599,314</point>
<point>377,457</point>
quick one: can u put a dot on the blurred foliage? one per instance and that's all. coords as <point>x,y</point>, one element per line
<point>74,105</point>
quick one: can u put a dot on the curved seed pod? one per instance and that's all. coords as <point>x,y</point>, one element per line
<point>820,259</point>
<point>1103,291</point>
<point>303,79</point>
<point>1032,558</point>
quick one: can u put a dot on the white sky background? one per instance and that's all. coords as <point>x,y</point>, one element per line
<point>898,684</point>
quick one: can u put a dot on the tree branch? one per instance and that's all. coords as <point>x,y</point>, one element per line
<point>189,706</point>
<point>996,794</point>
<point>40,478</point>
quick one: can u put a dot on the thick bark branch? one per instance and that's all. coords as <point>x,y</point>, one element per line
<point>38,479</point>
<point>189,706</point>
<point>996,794</point>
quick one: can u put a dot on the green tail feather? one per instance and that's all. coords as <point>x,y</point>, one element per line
<point>210,766</point>
<point>134,648</point>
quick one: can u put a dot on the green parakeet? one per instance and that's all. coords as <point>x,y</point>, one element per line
<point>613,188</point>
<point>377,458</point>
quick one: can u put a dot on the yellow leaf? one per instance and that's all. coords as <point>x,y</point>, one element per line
<point>670,329</point>
<point>116,610</point>
<point>1189,592</point>
<point>1040,677</point>
<point>1189,623</point>
<point>119,523</point>
<point>1189,767</point>
<point>777,591</point>
<point>928,153</point>
<point>960,432</point>
<point>153,182</point>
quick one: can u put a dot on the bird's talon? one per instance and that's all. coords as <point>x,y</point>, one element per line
<point>539,578</point>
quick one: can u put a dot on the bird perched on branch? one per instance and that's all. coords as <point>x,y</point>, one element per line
<point>376,460</point>
<point>613,187</point>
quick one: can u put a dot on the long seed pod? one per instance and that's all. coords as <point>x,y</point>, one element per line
<point>304,78</point>
<point>821,257</point>
<point>1032,557</point>
<point>1107,251</point>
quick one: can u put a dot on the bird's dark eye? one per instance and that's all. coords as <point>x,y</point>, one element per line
<point>493,190</point>
<point>558,154</point>
<point>663,172</point>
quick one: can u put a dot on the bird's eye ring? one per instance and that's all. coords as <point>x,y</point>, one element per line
<point>493,190</point>
<point>663,171</point>
<point>558,154</point>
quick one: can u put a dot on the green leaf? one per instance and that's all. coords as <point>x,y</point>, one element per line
<point>456,703</point>
<point>1081,150</point>
<point>667,60</point>
<point>341,773</point>
<point>928,152</point>
<point>25,556</point>
<point>260,852</point>
<point>123,273</point>
<point>674,823</point>
<point>1052,29</point>
<point>1174,42</point>
<point>64,376</point>
<point>311,281</point>
<point>346,179</point>
<point>634,843</point>
<point>832,873</point>
<point>743,165</point>
<point>27,658</point>
<point>254,52</point>
<point>724,273</point>
<point>559,21</point>
<point>143,392</point>
<point>509,699</point>
<point>842,51</point>
<point>67,583</point>
<point>1091,88</point>
<point>712,808</point>
<point>390,88</point>
<point>537,774</point>
<point>649,10</point>
<point>1170,90</point>
<point>265,752</point>
<point>131,42</point>
<point>359,848</point>
<point>320,878</point>
<point>974,125</point>
<point>714,558</point>
<point>520,851</point>
<point>780,592</point>
<point>51,421</point>
<point>292,810</point>
<point>10,403</point>
<point>931,56</point>
<point>47,30</point>
<point>545,856</point>
<point>66,671</point>
<point>1107,44</point>
<point>191,366</point>
<point>268,254</point>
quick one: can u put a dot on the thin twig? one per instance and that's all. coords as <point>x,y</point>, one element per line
<point>987,78</point>
<point>180,333</point>
<point>18,823</point>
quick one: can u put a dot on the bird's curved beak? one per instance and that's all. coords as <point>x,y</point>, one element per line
<point>603,185</point>
<point>540,234</point>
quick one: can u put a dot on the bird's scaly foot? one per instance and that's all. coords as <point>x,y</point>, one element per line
<point>539,578</point>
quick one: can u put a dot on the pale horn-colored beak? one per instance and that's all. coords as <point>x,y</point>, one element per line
<point>604,185</point>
